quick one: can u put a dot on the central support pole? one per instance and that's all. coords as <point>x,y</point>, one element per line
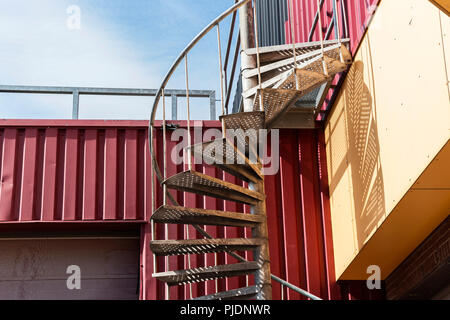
<point>247,42</point>
<point>261,254</point>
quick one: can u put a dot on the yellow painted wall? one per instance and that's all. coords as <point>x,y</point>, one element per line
<point>390,121</point>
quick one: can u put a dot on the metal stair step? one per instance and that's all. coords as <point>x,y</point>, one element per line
<point>311,76</point>
<point>223,154</point>
<point>244,120</point>
<point>182,215</point>
<point>332,51</point>
<point>277,77</point>
<point>236,294</point>
<point>275,53</point>
<point>195,182</point>
<point>198,246</point>
<point>276,103</point>
<point>207,273</point>
<point>266,84</point>
<point>243,130</point>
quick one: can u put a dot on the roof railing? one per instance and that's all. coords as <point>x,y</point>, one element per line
<point>174,94</point>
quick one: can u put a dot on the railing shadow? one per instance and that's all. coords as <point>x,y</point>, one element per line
<point>363,154</point>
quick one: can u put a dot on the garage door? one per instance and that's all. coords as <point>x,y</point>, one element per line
<point>69,268</point>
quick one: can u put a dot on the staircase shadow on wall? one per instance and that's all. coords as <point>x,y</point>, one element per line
<point>363,154</point>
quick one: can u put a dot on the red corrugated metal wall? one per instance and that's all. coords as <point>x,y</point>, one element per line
<point>99,171</point>
<point>358,14</point>
<point>298,213</point>
<point>72,171</point>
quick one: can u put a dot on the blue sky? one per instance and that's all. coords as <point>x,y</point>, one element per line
<point>127,44</point>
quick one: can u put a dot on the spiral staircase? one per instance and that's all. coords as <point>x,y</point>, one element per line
<point>284,77</point>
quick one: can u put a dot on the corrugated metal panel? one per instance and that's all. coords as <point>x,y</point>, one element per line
<point>99,171</point>
<point>178,232</point>
<point>356,18</point>
<point>352,24</point>
<point>72,171</point>
<point>275,26</point>
<point>272,15</point>
<point>299,223</point>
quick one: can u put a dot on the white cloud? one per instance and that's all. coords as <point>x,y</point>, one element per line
<point>37,48</point>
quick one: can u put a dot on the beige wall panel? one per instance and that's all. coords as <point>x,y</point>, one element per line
<point>343,226</point>
<point>339,173</point>
<point>445,35</point>
<point>409,92</point>
<point>395,110</point>
<point>387,247</point>
<point>437,175</point>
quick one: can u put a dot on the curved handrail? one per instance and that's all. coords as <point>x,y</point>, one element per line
<point>188,48</point>
<point>168,76</point>
<point>155,165</point>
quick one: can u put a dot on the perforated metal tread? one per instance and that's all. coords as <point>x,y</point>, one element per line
<point>276,102</point>
<point>244,120</point>
<point>195,182</point>
<point>198,246</point>
<point>332,52</point>
<point>279,70</point>
<point>207,273</point>
<point>224,155</point>
<point>236,294</point>
<point>279,52</point>
<point>182,215</point>
<point>243,130</point>
<point>311,76</point>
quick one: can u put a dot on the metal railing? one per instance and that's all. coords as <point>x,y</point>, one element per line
<point>225,96</point>
<point>334,23</point>
<point>294,288</point>
<point>161,176</point>
<point>77,91</point>
<point>339,14</point>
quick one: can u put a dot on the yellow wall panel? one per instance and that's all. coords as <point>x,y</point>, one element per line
<point>427,208</point>
<point>437,175</point>
<point>391,119</point>
<point>444,5</point>
<point>445,43</point>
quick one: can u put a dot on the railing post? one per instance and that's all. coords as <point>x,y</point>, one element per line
<point>166,227</point>
<point>174,107</point>
<point>338,31</point>
<point>153,196</point>
<point>189,153</point>
<point>261,255</point>
<point>319,9</point>
<point>344,18</point>
<point>222,98</point>
<point>76,104</point>
<point>233,71</point>
<point>212,105</point>
<point>314,24</point>
<point>291,13</point>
